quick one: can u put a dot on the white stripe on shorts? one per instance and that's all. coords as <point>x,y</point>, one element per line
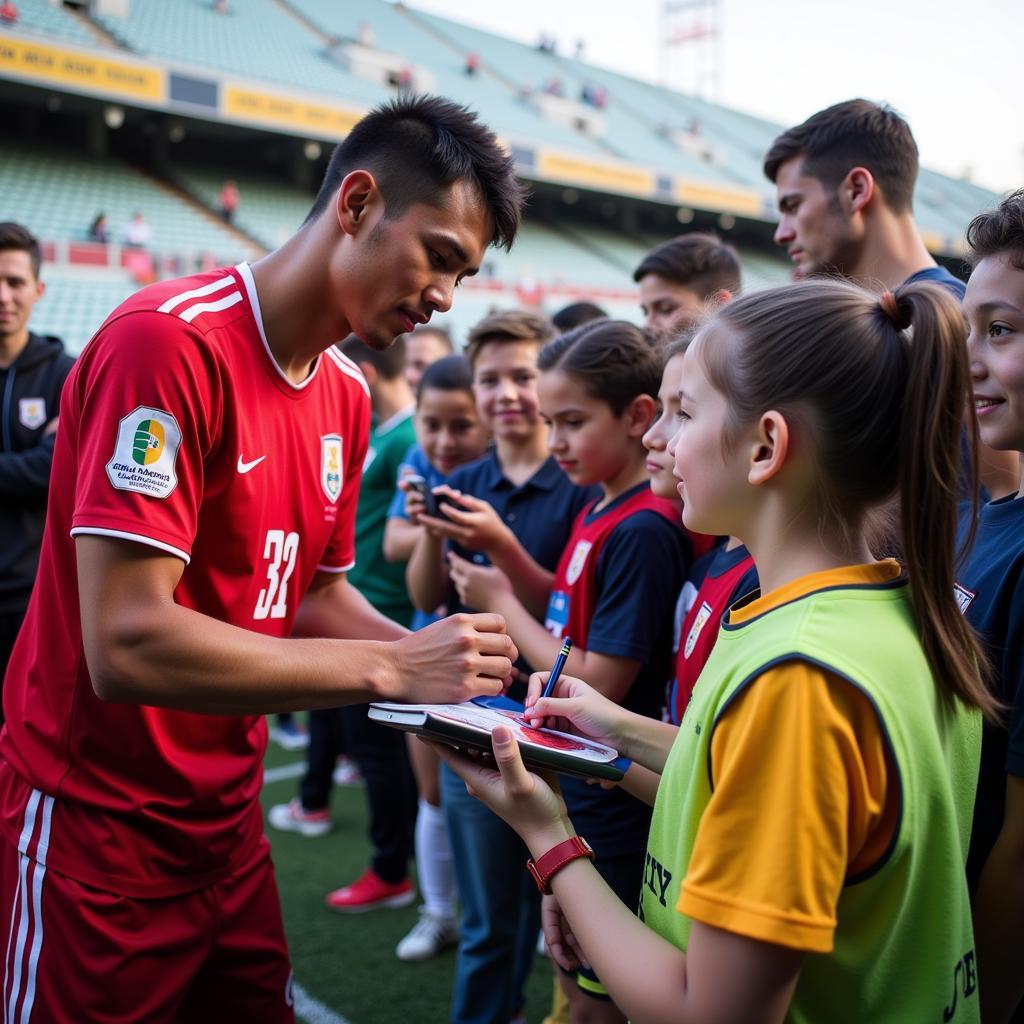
<point>29,912</point>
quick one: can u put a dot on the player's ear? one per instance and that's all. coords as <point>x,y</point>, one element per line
<point>356,197</point>
<point>857,189</point>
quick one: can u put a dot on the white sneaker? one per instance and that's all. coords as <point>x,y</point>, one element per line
<point>289,736</point>
<point>428,937</point>
<point>292,817</point>
<point>346,773</point>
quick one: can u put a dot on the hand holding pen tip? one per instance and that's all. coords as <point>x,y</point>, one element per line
<point>553,676</point>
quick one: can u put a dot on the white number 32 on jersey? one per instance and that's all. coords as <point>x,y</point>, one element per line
<point>280,550</point>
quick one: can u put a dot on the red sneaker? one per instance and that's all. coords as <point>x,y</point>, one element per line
<point>370,892</point>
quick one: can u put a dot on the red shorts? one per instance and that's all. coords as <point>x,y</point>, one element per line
<point>74,953</point>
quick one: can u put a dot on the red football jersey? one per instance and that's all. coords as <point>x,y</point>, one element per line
<point>179,431</point>
<point>730,576</point>
<point>574,591</point>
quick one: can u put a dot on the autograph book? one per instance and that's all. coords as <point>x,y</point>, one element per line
<point>470,726</point>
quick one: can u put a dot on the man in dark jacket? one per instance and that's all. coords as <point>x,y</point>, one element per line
<point>32,372</point>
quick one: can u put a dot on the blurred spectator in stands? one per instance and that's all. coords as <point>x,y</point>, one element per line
<point>137,234</point>
<point>529,291</point>
<point>423,348</point>
<point>364,34</point>
<point>405,81</point>
<point>32,372</point>
<point>222,6</point>
<point>228,201</point>
<point>600,97</point>
<point>553,86</point>
<point>8,13</point>
<point>99,230</point>
<point>681,279</point>
<point>580,47</point>
<point>575,314</point>
<point>472,64</point>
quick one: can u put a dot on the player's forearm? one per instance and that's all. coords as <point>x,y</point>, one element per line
<point>340,611</point>
<point>171,656</point>
<point>400,537</point>
<point>531,580</point>
<point>999,932</point>
<point>426,577</point>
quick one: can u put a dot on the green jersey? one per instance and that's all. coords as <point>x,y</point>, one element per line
<point>903,946</point>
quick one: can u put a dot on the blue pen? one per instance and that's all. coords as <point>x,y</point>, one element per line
<point>556,669</point>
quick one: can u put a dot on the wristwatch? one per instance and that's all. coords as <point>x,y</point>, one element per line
<point>544,868</point>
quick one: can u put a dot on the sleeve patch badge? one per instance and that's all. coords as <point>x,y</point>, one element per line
<point>147,445</point>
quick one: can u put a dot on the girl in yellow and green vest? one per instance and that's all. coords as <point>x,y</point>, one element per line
<point>811,819</point>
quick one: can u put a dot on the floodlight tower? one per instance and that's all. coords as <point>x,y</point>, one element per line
<point>691,41</point>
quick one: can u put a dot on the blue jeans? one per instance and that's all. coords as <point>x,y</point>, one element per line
<point>500,909</point>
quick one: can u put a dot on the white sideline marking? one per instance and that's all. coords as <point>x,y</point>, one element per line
<point>284,771</point>
<point>312,1011</point>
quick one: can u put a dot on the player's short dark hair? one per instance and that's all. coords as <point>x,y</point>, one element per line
<point>416,148</point>
<point>389,362</point>
<point>18,237</point>
<point>999,231</point>
<point>615,361</point>
<point>698,260</point>
<point>576,314</point>
<point>855,133</point>
<point>452,373</point>
<point>439,332</point>
<point>508,325</point>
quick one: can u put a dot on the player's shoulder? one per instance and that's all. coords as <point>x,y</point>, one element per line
<point>345,373</point>
<point>195,300</point>
<point>171,319</point>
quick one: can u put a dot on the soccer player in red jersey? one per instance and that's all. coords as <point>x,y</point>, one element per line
<point>200,525</point>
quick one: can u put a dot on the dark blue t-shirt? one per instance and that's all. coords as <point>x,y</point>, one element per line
<point>940,275</point>
<point>540,512</point>
<point>990,590</point>
<point>640,569</point>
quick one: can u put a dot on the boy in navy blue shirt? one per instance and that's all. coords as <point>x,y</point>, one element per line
<point>990,588</point>
<point>515,509</point>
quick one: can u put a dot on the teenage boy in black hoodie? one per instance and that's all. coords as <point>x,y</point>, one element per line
<point>32,372</point>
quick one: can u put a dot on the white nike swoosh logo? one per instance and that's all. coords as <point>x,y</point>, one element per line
<point>244,467</point>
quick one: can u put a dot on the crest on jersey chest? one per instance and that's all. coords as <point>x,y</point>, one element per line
<point>330,466</point>
<point>701,620</point>
<point>578,561</point>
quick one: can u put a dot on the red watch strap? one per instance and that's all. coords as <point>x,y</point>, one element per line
<point>544,868</point>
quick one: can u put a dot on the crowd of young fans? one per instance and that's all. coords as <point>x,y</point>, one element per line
<point>782,529</point>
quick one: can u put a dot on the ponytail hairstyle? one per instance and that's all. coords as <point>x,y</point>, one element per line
<point>882,387</point>
<point>613,360</point>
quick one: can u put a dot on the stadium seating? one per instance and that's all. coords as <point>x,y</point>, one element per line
<point>433,42</point>
<point>75,304</point>
<point>268,210</point>
<point>58,191</point>
<point>41,17</point>
<point>257,39</point>
<point>287,41</point>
